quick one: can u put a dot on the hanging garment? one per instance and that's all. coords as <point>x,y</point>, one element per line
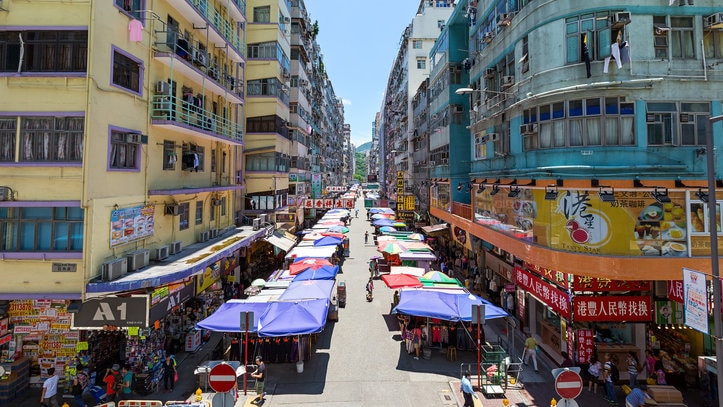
<point>624,52</point>
<point>586,58</point>
<point>614,53</point>
<point>135,29</point>
<point>195,162</point>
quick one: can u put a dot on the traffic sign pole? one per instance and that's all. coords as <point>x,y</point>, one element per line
<point>246,353</point>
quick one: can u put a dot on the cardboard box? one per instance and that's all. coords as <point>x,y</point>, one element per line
<point>665,394</point>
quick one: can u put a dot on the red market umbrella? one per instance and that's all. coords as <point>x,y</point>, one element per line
<point>303,264</point>
<point>333,234</point>
<point>395,281</point>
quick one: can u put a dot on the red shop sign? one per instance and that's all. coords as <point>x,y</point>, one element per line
<point>585,283</point>
<point>675,291</point>
<point>585,345</point>
<point>613,308</point>
<point>552,296</point>
<point>560,278</point>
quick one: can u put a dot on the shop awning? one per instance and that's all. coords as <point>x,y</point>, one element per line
<point>281,242</point>
<point>435,229</point>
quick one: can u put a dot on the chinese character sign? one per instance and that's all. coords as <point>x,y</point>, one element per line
<point>696,300</point>
<point>613,308</point>
<point>585,283</point>
<point>550,295</point>
<point>585,345</point>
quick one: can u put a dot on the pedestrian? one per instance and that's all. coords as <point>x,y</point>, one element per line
<point>531,351</point>
<point>567,361</point>
<point>594,371</point>
<point>168,374</point>
<point>417,341</point>
<point>467,391</point>
<point>127,383</point>
<point>608,378</point>
<point>632,363</point>
<point>636,398</point>
<point>112,380</point>
<point>366,237</point>
<point>356,213</point>
<point>650,363</point>
<point>260,375</point>
<point>50,389</point>
<point>80,385</point>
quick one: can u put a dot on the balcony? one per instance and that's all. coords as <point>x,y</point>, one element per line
<point>221,34</point>
<point>174,113</point>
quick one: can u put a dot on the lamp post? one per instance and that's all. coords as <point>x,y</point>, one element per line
<point>713,230</point>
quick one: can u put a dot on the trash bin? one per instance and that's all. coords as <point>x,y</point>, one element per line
<point>341,293</point>
<point>300,366</point>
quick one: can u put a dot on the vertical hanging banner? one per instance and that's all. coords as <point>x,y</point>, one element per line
<point>695,300</point>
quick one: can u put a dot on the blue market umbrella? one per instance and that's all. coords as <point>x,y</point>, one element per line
<point>327,241</point>
<point>383,222</point>
<point>387,229</point>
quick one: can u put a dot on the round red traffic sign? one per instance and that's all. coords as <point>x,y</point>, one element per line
<point>568,384</point>
<point>222,377</point>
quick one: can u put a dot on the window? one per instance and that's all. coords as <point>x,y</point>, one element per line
<point>417,44</point>
<point>213,160</point>
<point>169,155</point>
<point>127,72</point>
<point>681,38</point>
<point>183,209</point>
<point>713,43</point>
<point>131,7</point>
<point>58,139</point>
<point>525,60</point>
<point>41,229</point>
<point>193,158</point>
<point>8,131</point>
<point>263,50</point>
<point>660,37</point>
<point>421,63</point>
<point>223,206</point>
<point>591,31</point>
<point>672,123</point>
<point>124,154</point>
<point>262,14</point>
<point>44,51</point>
<point>199,212</point>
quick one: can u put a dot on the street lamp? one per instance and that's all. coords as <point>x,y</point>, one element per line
<point>467,91</point>
<point>713,230</point>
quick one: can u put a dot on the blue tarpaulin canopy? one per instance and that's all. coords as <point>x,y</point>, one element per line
<point>321,273</point>
<point>448,305</point>
<point>308,289</point>
<point>294,318</point>
<point>327,241</point>
<point>227,316</point>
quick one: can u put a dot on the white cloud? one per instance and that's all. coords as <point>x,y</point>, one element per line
<point>346,102</point>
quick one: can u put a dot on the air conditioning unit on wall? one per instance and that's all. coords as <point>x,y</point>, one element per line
<point>138,259</point>
<point>114,269</point>
<point>163,88</point>
<point>174,248</point>
<point>160,253</point>
<point>203,237</point>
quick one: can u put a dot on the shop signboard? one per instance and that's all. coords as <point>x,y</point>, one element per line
<point>613,308</point>
<point>585,345</point>
<point>558,277</point>
<point>675,291</point>
<point>550,295</point>
<point>669,313</point>
<point>585,283</point>
<point>176,294</point>
<point>316,185</point>
<point>129,224</point>
<point>121,312</point>
<point>696,300</point>
<point>208,277</point>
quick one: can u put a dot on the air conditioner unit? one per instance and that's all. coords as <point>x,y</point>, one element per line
<point>490,73</point>
<point>493,136</point>
<point>5,194</point>
<point>620,18</point>
<point>160,253</point>
<point>138,259</point>
<point>212,233</point>
<point>714,21</point>
<point>173,209</point>
<point>134,138</point>
<point>213,73</point>
<point>114,269</point>
<point>256,224</point>
<point>264,218</point>
<point>200,57</point>
<point>163,88</point>
<point>523,129</point>
<point>174,248</point>
<point>202,237</point>
<point>508,81</point>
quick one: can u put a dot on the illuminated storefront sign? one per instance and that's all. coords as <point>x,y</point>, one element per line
<point>550,295</point>
<point>613,308</point>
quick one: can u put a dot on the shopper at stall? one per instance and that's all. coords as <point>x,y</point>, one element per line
<point>80,385</point>
<point>168,373</point>
<point>631,363</point>
<point>112,380</point>
<point>608,378</point>
<point>127,383</point>
<point>650,363</point>
<point>531,351</point>
<point>417,341</point>
<point>594,371</point>
<point>260,375</point>
<point>50,389</point>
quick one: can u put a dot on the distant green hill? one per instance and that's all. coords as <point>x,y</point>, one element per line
<point>364,147</point>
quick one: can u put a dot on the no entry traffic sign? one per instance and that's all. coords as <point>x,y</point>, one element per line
<point>568,384</point>
<point>222,378</point>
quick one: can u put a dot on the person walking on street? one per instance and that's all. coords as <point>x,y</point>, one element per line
<point>531,351</point>
<point>260,375</point>
<point>50,389</point>
<point>468,391</point>
<point>608,378</point>
<point>366,237</point>
<point>168,374</point>
<point>632,367</point>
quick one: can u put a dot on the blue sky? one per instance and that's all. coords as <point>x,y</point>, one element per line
<point>359,41</point>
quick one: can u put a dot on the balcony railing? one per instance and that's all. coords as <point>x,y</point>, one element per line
<point>173,109</point>
<point>223,26</point>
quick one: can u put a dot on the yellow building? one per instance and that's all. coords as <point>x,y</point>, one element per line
<point>121,134</point>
